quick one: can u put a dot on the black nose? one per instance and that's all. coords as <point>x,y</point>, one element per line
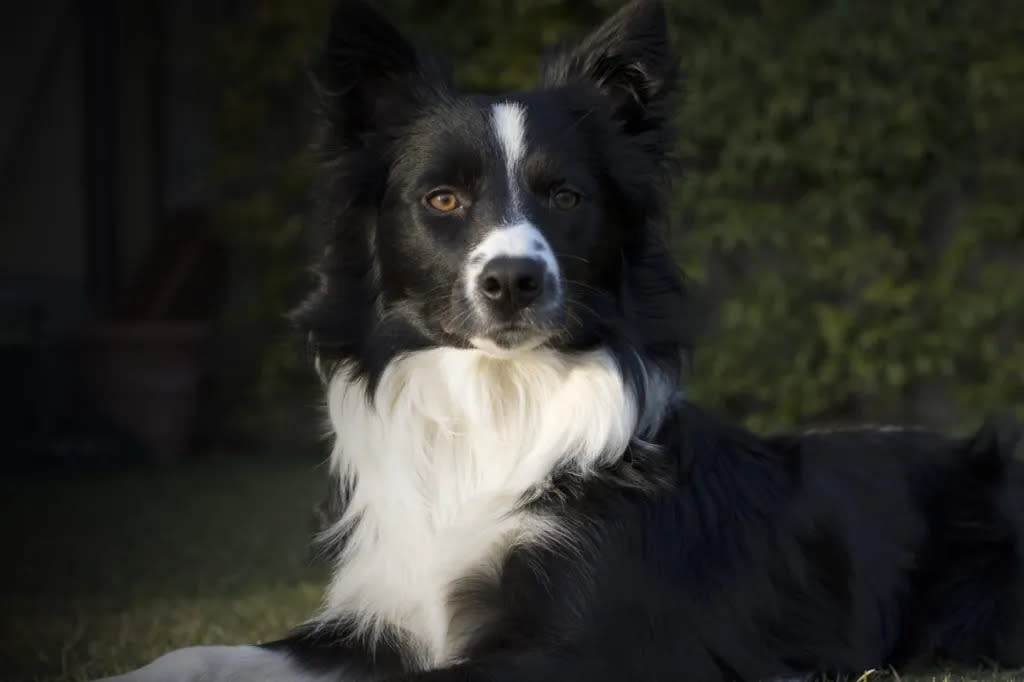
<point>512,283</point>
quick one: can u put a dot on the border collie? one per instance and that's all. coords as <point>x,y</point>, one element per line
<point>522,493</point>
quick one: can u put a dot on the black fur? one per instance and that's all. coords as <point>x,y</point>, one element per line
<point>717,554</point>
<point>393,121</point>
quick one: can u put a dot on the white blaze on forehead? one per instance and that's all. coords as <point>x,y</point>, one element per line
<point>509,122</point>
<point>515,237</point>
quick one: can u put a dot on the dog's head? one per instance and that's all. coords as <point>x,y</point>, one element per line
<point>496,222</point>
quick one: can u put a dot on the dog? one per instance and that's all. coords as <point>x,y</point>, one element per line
<point>520,489</point>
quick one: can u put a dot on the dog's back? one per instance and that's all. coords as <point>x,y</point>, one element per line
<point>958,504</point>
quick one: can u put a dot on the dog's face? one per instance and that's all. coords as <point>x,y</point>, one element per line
<point>492,230</point>
<point>496,222</point>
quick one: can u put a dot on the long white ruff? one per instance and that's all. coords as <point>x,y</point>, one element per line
<point>439,462</point>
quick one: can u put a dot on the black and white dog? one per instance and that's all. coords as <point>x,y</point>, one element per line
<point>522,493</point>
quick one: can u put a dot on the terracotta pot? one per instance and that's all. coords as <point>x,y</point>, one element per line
<point>145,377</point>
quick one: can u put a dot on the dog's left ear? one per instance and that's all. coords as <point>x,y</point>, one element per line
<point>629,59</point>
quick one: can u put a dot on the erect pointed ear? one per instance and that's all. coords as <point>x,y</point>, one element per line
<point>369,76</point>
<point>629,59</point>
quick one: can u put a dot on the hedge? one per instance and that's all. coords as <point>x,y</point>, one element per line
<point>851,206</point>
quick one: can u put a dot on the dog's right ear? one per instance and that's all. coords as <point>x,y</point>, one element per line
<point>370,78</point>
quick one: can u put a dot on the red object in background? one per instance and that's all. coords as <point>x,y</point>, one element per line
<point>145,376</point>
<point>144,365</point>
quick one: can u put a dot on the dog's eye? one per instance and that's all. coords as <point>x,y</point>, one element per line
<point>564,199</point>
<point>443,201</point>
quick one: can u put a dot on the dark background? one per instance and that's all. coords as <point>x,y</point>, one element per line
<point>851,210</point>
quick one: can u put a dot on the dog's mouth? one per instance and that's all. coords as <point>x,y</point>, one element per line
<point>503,340</point>
<point>468,323</point>
<point>516,336</point>
<point>510,340</point>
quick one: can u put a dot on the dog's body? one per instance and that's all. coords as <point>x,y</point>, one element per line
<point>522,493</point>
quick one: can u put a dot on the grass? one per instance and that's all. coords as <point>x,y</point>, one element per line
<point>105,572</point>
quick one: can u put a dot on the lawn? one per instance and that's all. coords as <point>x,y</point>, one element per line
<point>105,572</point>
<point>108,571</point>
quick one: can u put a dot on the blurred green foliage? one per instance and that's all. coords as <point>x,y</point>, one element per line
<point>262,174</point>
<point>852,205</point>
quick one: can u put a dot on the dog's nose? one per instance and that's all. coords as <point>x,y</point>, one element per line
<point>512,283</point>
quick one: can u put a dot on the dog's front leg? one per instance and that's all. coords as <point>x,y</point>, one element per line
<point>240,664</point>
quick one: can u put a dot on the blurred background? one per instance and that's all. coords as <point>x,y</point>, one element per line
<point>851,210</point>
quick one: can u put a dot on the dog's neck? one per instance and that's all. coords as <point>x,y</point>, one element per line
<point>438,464</point>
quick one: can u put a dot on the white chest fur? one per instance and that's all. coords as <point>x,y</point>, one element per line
<point>438,463</point>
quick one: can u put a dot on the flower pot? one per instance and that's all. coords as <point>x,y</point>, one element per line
<point>144,376</point>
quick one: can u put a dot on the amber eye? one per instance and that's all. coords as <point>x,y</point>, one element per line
<point>443,201</point>
<point>564,199</point>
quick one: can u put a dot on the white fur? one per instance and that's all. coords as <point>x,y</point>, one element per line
<point>495,351</point>
<point>508,120</point>
<point>521,240</point>
<point>224,664</point>
<point>516,237</point>
<point>439,465</point>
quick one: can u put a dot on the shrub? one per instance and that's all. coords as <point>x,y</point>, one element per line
<point>852,203</point>
<point>853,206</point>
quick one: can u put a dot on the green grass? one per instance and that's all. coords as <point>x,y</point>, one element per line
<point>104,573</point>
<point>108,571</point>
